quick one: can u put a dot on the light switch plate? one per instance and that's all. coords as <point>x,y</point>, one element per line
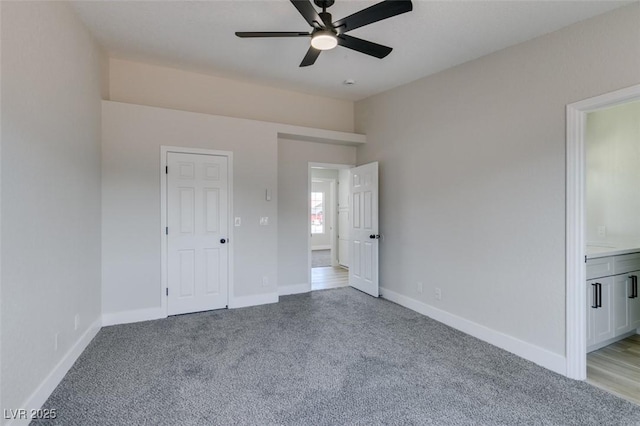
<point>237,221</point>
<point>264,220</point>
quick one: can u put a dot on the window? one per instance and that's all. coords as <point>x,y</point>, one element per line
<point>317,212</point>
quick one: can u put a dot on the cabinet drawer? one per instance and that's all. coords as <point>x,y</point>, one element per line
<point>600,267</point>
<point>626,263</point>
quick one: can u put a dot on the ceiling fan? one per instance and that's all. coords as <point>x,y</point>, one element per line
<point>326,34</point>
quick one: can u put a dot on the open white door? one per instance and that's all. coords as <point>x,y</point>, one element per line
<point>364,235</point>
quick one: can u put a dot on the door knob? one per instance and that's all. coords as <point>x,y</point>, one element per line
<point>372,236</point>
<point>222,241</point>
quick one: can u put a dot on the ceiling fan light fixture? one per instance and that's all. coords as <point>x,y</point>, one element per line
<point>324,40</point>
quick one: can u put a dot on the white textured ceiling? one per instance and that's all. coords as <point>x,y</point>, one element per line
<point>436,35</point>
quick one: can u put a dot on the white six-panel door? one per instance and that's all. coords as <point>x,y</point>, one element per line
<point>364,235</point>
<point>197,219</point>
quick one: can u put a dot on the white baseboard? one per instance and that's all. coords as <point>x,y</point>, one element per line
<point>323,247</point>
<point>137,315</point>
<point>294,289</point>
<point>258,299</point>
<point>535,354</point>
<point>48,385</point>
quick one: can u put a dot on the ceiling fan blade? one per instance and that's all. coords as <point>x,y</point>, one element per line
<point>310,57</point>
<point>363,46</point>
<point>375,13</point>
<point>248,34</point>
<point>308,12</point>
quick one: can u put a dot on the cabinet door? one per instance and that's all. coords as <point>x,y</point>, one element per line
<point>602,316</point>
<point>634,305</point>
<point>621,293</point>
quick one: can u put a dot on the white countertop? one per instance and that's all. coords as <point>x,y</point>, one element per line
<point>596,251</point>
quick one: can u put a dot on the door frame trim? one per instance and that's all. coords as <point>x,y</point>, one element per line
<point>164,150</point>
<point>576,331</point>
<point>310,165</point>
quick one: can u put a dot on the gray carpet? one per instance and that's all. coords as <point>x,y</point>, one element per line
<point>326,357</point>
<point>320,258</point>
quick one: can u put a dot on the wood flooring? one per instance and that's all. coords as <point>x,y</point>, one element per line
<point>616,368</point>
<point>329,277</point>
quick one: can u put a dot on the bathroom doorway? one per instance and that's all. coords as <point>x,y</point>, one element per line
<point>597,321</point>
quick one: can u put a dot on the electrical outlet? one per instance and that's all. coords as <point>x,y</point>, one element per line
<point>265,281</point>
<point>264,220</point>
<point>602,231</point>
<point>55,342</point>
<point>438,293</point>
<point>420,288</point>
<point>76,322</point>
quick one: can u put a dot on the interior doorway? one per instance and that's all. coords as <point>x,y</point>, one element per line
<point>612,200</point>
<point>592,286</point>
<point>328,225</point>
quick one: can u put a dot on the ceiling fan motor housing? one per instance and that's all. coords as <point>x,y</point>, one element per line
<point>324,3</point>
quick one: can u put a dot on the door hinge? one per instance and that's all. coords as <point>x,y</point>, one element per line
<point>166,230</point>
<point>167,292</point>
<point>166,170</point>
<point>585,258</point>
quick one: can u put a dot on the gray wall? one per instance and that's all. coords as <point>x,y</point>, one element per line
<point>51,87</point>
<point>472,174</point>
<point>131,170</point>
<point>293,174</point>
<point>145,84</point>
